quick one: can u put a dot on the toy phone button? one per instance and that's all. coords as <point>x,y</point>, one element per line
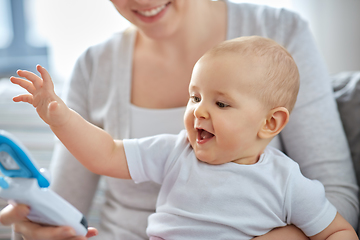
<point>6,160</point>
<point>3,183</point>
<point>84,223</point>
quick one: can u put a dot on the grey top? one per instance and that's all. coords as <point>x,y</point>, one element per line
<point>99,90</point>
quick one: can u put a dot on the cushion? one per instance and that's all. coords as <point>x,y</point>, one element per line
<point>346,87</point>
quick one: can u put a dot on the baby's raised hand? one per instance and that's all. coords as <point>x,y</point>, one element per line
<point>42,96</point>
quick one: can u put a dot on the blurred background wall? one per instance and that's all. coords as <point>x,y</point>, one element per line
<point>336,28</point>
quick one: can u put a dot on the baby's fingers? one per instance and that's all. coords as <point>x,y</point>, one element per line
<point>24,98</point>
<point>45,76</point>
<point>35,79</point>
<point>28,86</point>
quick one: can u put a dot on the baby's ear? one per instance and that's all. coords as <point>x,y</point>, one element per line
<point>275,121</point>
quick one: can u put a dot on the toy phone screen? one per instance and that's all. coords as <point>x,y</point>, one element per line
<point>8,162</point>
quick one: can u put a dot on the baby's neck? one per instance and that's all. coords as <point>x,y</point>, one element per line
<point>248,160</point>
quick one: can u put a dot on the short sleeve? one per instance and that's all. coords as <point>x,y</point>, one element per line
<point>149,158</point>
<point>306,205</point>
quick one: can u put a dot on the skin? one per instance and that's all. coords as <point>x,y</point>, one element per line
<point>220,106</point>
<point>33,231</point>
<point>166,45</point>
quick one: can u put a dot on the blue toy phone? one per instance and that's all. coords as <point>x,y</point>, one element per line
<point>25,183</point>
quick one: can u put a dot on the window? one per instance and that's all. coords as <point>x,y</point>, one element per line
<point>17,52</point>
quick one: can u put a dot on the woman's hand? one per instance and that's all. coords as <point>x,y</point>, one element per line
<point>16,216</point>
<point>284,233</point>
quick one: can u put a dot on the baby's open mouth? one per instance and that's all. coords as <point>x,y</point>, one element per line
<point>203,134</point>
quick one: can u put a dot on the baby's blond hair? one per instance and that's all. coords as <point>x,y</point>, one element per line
<point>280,86</point>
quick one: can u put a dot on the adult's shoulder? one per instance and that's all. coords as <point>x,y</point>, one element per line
<point>106,61</point>
<point>110,49</point>
<point>94,82</point>
<point>252,19</point>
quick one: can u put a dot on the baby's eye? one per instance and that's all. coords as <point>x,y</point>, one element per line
<point>195,99</point>
<point>222,105</point>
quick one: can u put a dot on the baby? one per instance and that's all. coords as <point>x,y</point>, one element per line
<point>219,178</point>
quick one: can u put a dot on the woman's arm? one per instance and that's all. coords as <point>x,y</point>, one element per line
<point>71,180</point>
<point>314,136</point>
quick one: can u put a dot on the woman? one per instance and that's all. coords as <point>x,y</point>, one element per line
<point>147,69</point>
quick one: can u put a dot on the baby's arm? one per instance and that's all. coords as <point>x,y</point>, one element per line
<point>338,229</point>
<point>92,146</point>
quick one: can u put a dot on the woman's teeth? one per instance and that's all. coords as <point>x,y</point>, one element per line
<point>153,11</point>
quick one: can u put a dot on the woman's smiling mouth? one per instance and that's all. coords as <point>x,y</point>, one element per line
<point>154,11</point>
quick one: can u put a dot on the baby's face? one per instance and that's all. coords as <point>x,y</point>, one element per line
<point>222,118</point>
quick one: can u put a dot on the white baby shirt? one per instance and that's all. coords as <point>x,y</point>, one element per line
<point>229,201</point>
